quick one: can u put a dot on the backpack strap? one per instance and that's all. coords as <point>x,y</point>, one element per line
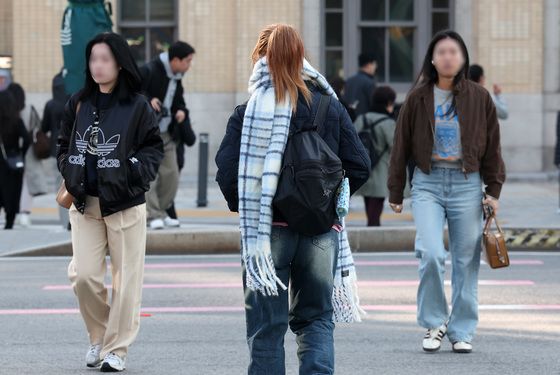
<point>371,129</point>
<point>322,111</point>
<point>378,121</point>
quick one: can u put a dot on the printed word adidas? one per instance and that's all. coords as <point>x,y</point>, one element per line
<point>77,159</point>
<point>108,163</point>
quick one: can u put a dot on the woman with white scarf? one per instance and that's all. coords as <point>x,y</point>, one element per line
<point>285,92</point>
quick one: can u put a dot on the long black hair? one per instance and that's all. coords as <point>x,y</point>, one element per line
<point>19,95</point>
<point>428,74</point>
<point>8,113</point>
<point>129,79</point>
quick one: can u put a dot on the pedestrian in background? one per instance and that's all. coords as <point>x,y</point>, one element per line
<point>338,84</point>
<point>359,87</point>
<point>33,168</point>
<point>14,142</point>
<point>476,74</point>
<point>377,124</point>
<point>5,79</point>
<point>162,84</point>
<point>50,125</point>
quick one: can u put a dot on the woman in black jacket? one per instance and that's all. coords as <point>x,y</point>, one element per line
<point>14,142</point>
<point>109,151</point>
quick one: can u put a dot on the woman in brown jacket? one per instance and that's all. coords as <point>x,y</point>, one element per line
<point>448,127</point>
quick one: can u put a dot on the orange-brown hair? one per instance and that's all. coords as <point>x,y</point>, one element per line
<point>284,51</point>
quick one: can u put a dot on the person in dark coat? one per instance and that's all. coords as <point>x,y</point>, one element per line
<point>26,199</point>
<point>338,133</point>
<point>161,83</point>
<point>50,124</point>
<point>18,94</point>
<point>338,84</point>
<point>54,109</point>
<point>259,131</point>
<point>14,142</point>
<point>359,87</point>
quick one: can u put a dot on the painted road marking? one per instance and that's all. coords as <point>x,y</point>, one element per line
<point>360,263</point>
<point>236,309</point>
<point>361,283</point>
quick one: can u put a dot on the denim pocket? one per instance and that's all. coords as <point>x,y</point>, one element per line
<point>324,241</point>
<point>416,173</point>
<point>275,234</point>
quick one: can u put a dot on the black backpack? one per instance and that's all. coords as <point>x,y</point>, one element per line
<point>309,178</point>
<point>369,140</point>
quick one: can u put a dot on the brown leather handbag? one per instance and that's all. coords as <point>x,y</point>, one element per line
<point>494,244</point>
<point>63,197</point>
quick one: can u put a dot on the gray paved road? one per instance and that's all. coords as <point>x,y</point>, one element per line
<point>195,325</point>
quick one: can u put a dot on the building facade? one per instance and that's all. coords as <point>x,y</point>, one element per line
<point>516,41</point>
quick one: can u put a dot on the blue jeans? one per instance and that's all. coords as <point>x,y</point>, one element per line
<point>448,195</point>
<point>308,263</point>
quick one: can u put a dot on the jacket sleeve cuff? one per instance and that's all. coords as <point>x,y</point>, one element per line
<point>395,197</point>
<point>134,165</point>
<point>60,163</point>
<point>494,190</point>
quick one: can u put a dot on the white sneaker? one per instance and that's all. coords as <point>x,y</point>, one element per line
<point>92,356</point>
<point>432,340</point>
<point>24,220</point>
<point>462,347</point>
<point>157,224</point>
<point>112,363</point>
<point>173,223</point>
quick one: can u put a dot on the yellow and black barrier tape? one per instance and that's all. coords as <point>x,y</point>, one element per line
<point>538,239</point>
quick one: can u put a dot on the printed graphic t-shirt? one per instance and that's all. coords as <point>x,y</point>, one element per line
<point>447,152</point>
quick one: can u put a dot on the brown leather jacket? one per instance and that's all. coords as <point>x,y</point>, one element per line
<point>480,137</point>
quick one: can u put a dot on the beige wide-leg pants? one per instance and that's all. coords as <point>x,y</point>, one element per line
<point>113,324</point>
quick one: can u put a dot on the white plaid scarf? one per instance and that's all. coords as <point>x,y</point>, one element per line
<point>264,135</point>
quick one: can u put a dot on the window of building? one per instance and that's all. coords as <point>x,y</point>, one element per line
<point>441,15</point>
<point>149,26</point>
<point>395,32</point>
<point>333,38</point>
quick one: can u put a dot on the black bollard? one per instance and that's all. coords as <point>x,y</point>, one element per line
<point>202,200</point>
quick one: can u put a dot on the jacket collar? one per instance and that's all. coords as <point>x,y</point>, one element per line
<point>427,95</point>
<point>426,90</point>
<point>164,58</point>
<point>365,74</point>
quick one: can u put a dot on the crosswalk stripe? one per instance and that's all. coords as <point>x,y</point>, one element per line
<point>362,283</point>
<point>236,309</point>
